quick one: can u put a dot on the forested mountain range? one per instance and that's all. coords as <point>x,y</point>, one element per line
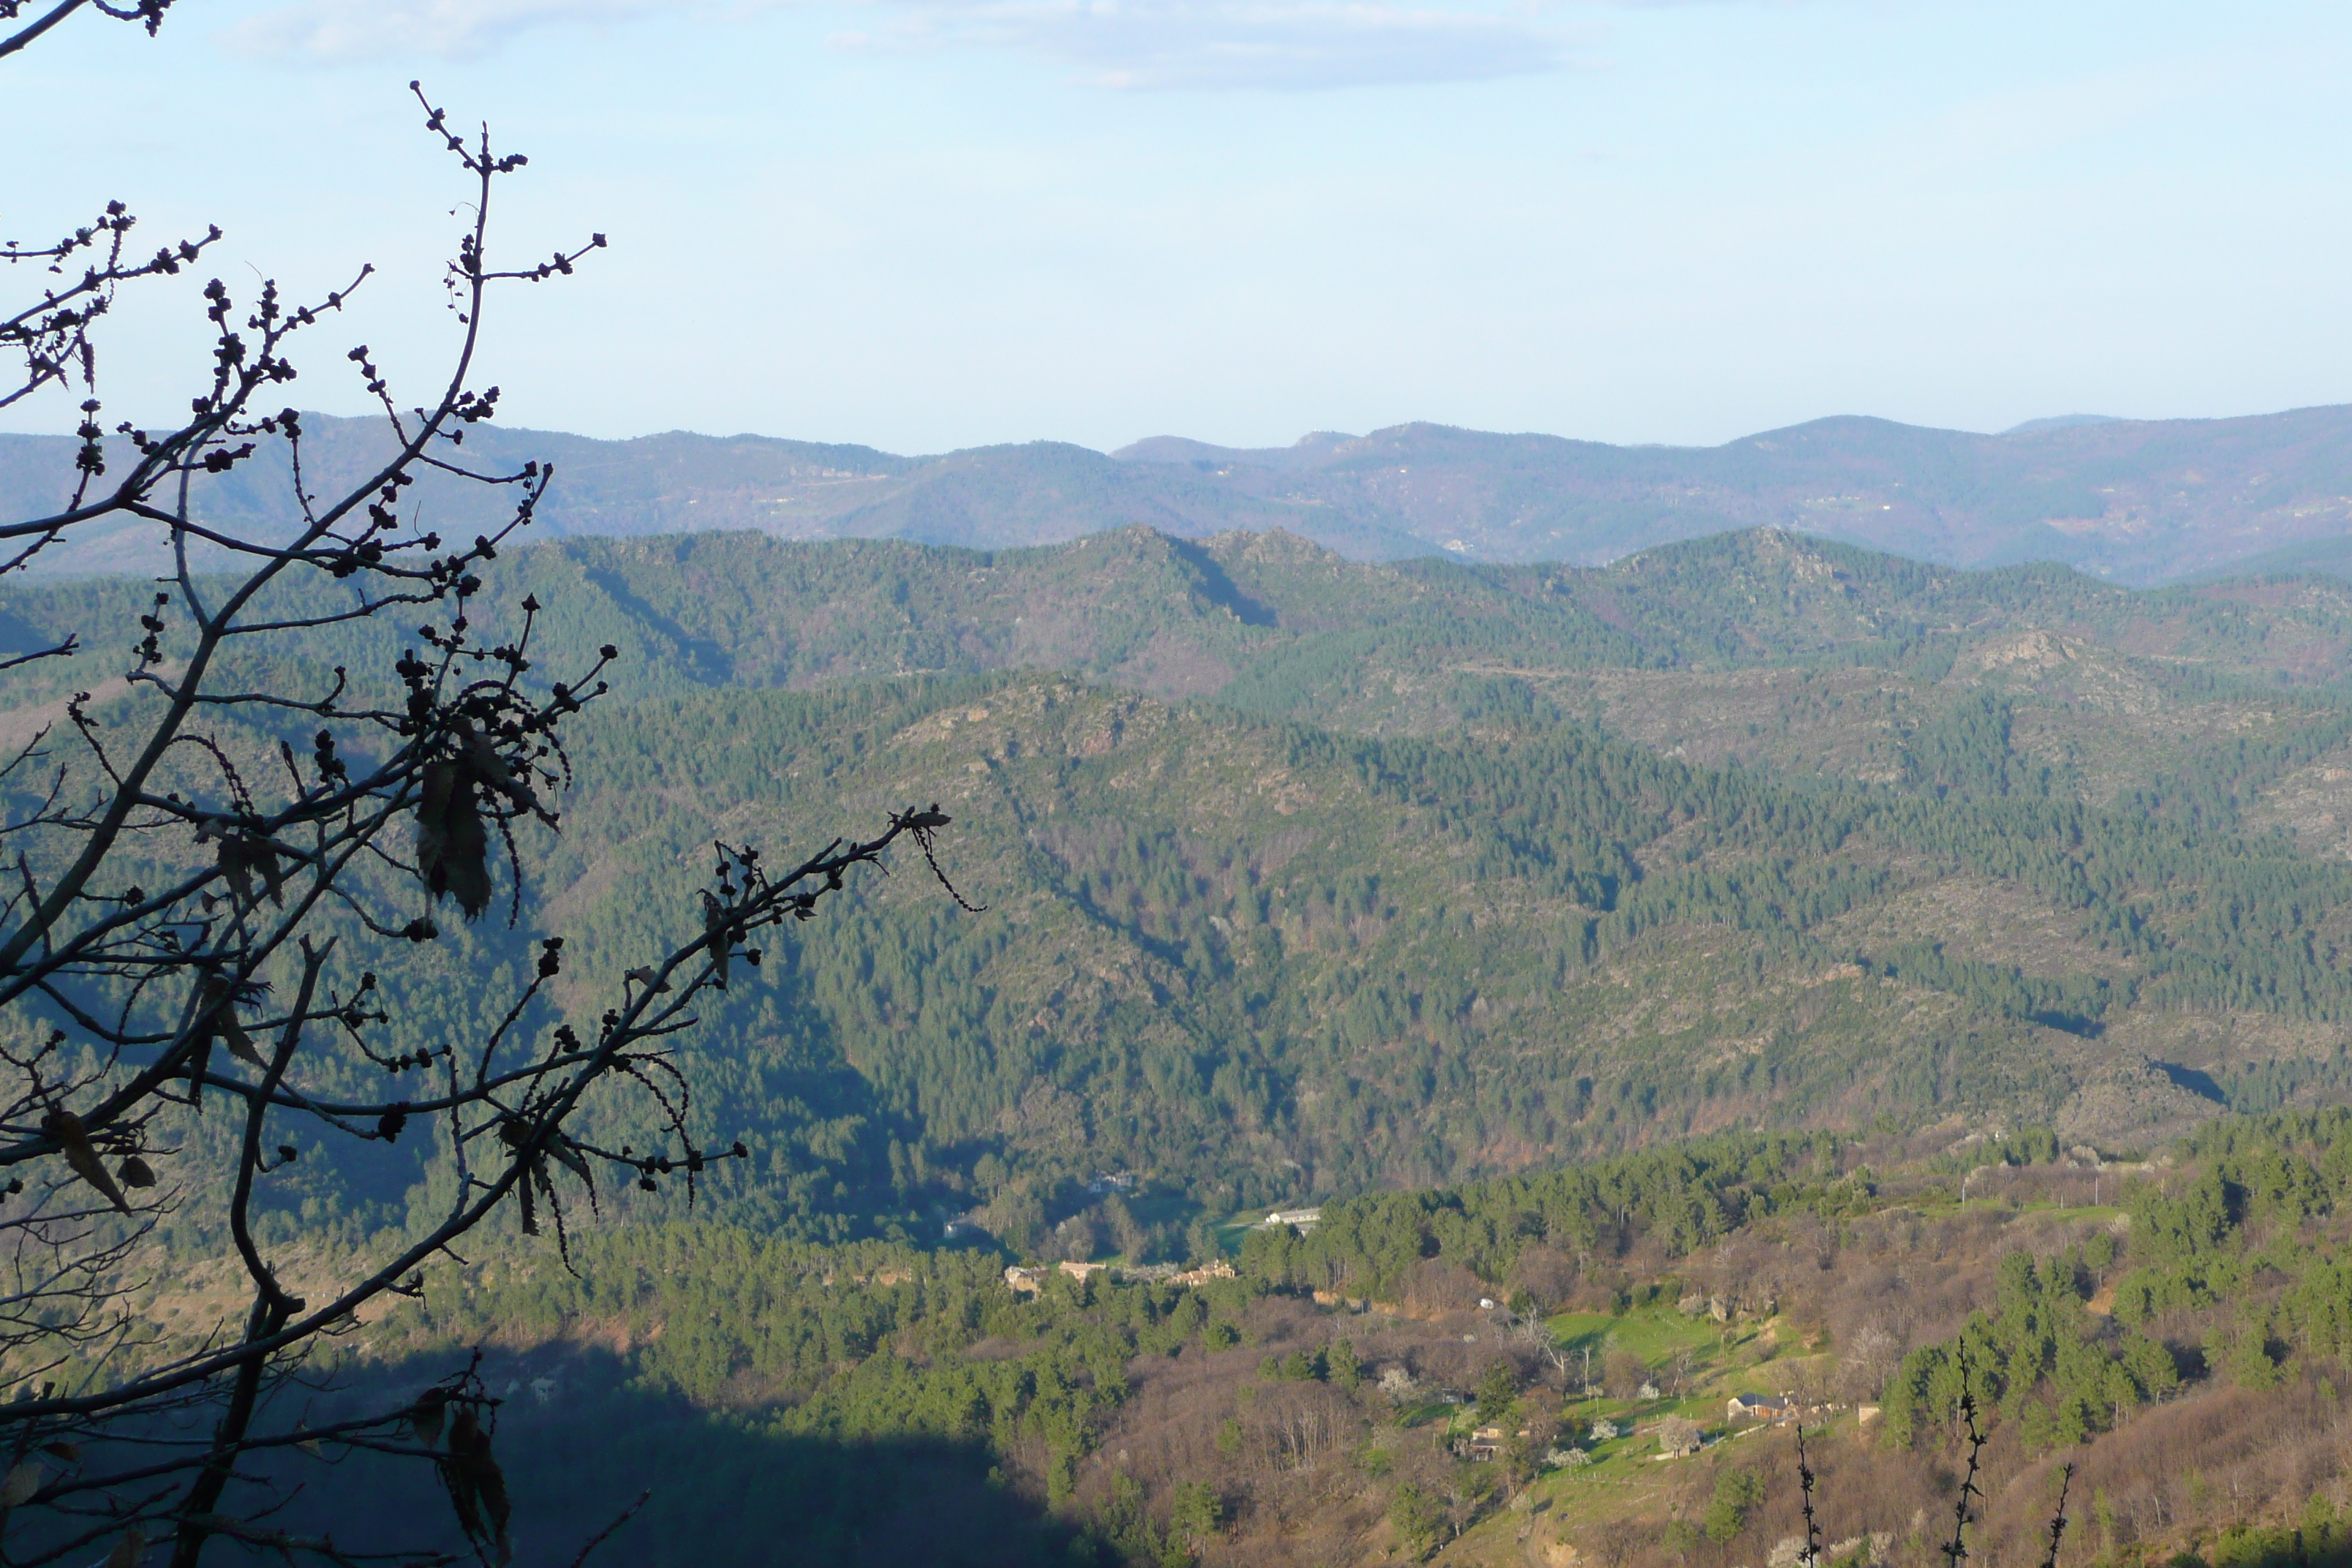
<point>1757,923</point>
<point>1307,876</point>
<point>2134,501</point>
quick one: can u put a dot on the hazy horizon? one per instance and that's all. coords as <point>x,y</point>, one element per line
<point>931,224</point>
<point>1114,447</point>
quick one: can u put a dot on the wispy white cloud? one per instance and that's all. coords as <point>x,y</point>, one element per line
<point>340,32</point>
<point>1123,44</point>
<point>1278,44</point>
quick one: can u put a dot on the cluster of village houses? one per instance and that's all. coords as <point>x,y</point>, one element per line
<point>1025,1281</point>
<point>1677,1435</point>
<point>1028,1281</point>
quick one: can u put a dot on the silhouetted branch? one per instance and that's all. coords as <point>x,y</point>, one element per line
<point>1805,1488</point>
<point>2058,1519</point>
<point>190,889</point>
<point>1956,1550</point>
<point>606,1533</point>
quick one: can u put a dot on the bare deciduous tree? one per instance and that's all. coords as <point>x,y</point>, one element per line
<point>198,867</point>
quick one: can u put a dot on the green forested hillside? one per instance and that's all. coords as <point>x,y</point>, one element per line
<point>1269,962</point>
<point>1269,622</point>
<point>1755,966</point>
<point>2175,1331</point>
<point>1306,877</point>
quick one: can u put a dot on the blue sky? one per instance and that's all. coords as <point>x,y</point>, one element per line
<point>927,224</point>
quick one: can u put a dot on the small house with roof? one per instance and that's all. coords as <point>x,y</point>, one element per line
<point>1485,1442</point>
<point>1759,1408</point>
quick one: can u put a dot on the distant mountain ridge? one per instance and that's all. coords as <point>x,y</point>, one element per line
<point>2059,422</point>
<point>2134,501</point>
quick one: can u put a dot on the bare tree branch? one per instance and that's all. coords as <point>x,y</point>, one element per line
<point>187,894</point>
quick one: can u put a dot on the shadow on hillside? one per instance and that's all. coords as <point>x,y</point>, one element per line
<point>1219,587</point>
<point>578,1443</point>
<point>709,662</point>
<point>2196,1081</point>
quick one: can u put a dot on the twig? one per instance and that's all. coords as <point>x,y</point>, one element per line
<point>1805,1485</point>
<point>630,1513</point>
<point>1957,1551</point>
<point>2058,1520</point>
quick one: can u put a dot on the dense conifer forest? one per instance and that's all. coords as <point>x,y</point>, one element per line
<point>1759,966</point>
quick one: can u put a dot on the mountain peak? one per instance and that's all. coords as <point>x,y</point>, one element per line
<point>2061,421</point>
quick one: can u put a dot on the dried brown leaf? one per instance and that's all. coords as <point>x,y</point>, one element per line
<point>452,844</point>
<point>426,1415</point>
<point>226,1026</point>
<point>22,1483</point>
<point>66,1127</point>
